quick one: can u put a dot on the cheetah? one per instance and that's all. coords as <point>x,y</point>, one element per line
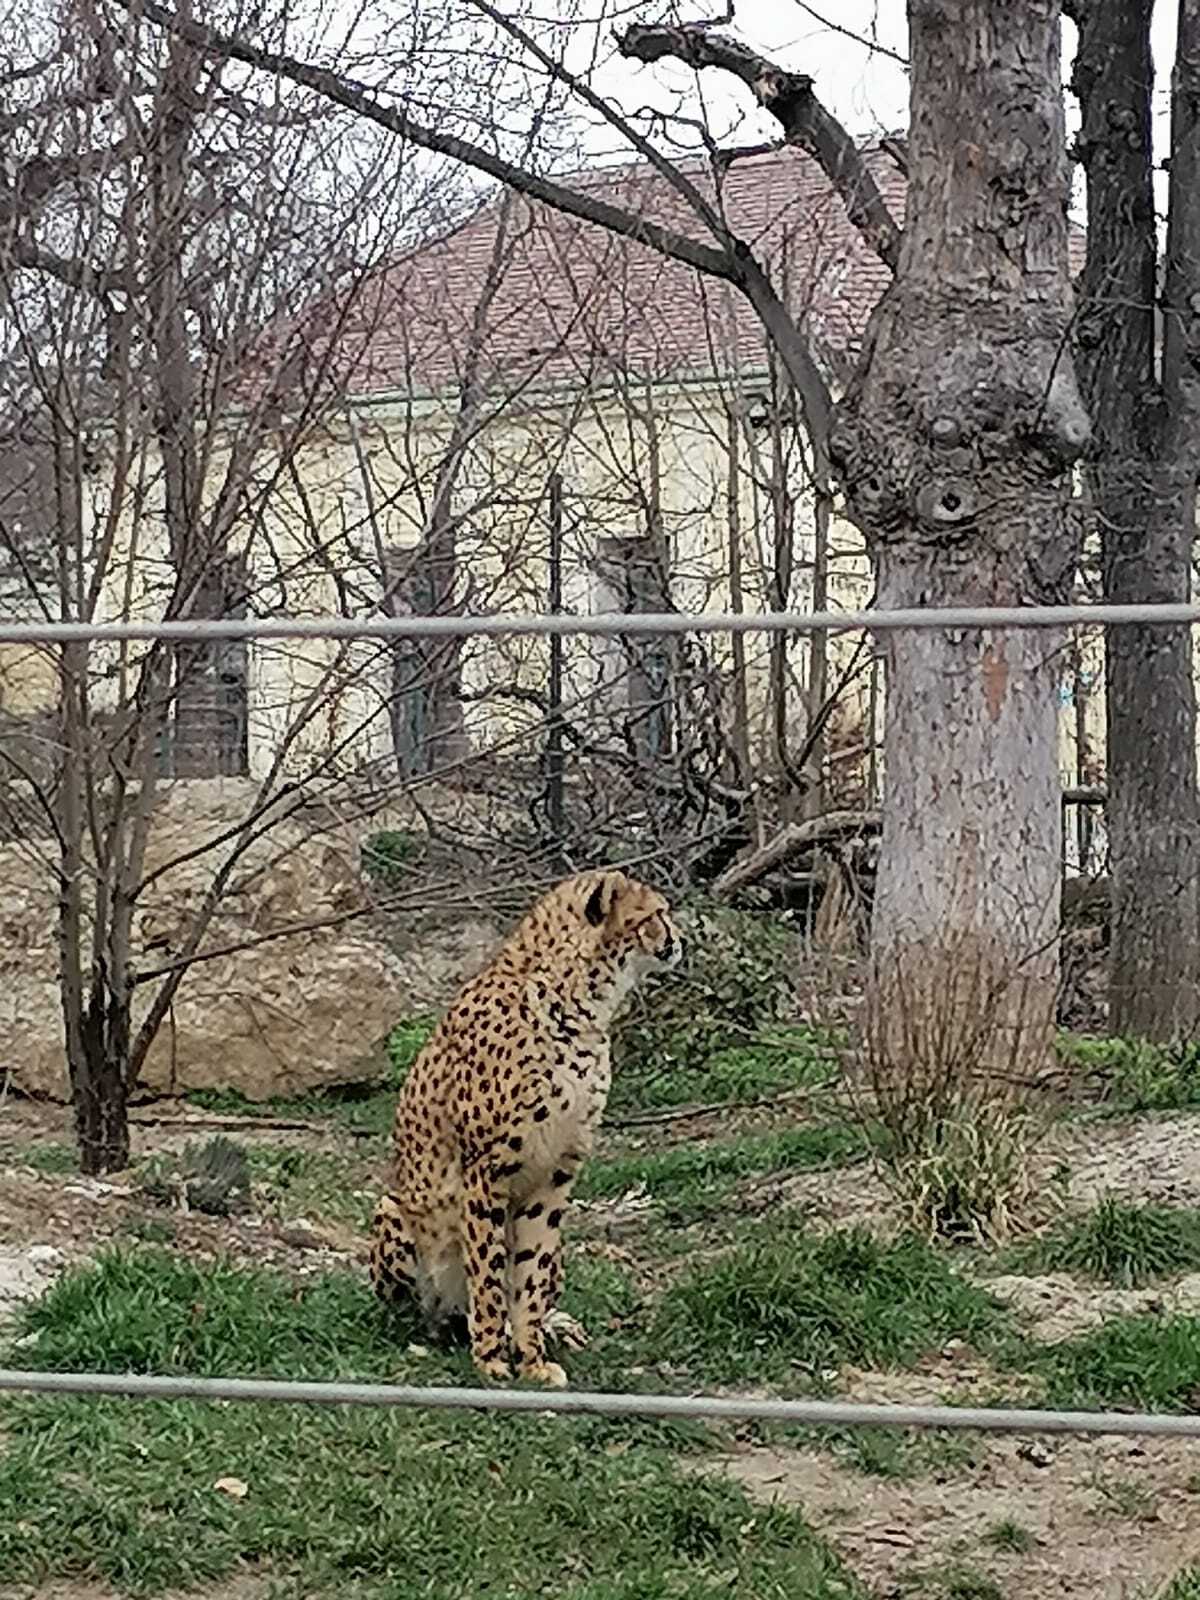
<point>499,1112</point>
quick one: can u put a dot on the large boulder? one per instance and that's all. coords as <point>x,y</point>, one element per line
<point>297,994</point>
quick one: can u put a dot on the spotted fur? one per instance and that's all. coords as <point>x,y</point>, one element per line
<point>500,1110</point>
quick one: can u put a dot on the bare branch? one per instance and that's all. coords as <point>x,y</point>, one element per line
<point>872,45</point>
<point>666,169</point>
<point>789,97</point>
<point>354,97</point>
<point>75,273</point>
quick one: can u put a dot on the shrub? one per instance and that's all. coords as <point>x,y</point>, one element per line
<point>943,1054</point>
<point>734,984</point>
<point>389,856</point>
<point>1138,1075</point>
<point>213,1177</point>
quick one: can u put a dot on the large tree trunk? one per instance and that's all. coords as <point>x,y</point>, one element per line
<point>1142,478</point>
<point>955,442</point>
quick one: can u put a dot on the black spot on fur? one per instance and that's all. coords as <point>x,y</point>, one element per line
<point>594,909</point>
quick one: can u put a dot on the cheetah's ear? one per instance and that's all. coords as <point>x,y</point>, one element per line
<point>602,898</point>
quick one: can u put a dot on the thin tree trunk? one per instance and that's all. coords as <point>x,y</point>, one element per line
<point>818,661</point>
<point>101,1094</point>
<point>733,509</point>
<point>429,729</point>
<point>955,442</point>
<point>1142,480</point>
<point>783,528</point>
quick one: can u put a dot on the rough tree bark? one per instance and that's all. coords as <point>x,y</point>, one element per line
<point>1142,479</point>
<point>954,443</point>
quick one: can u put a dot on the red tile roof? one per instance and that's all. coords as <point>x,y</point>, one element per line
<point>575,301</point>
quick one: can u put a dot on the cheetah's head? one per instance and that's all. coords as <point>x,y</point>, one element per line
<point>631,917</point>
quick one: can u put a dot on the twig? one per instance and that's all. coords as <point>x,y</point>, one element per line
<point>648,1119</point>
<point>252,1124</point>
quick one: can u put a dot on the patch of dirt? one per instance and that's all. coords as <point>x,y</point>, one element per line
<point>77,1216</point>
<point>954,1375</point>
<point>1158,1161</point>
<point>833,1199</point>
<point>242,1586</point>
<point>1109,1519</point>
<point>1057,1307</point>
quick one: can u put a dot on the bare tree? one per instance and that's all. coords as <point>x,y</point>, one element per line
<point>188,333</point>
<point>1136,339</point>
<point>131,318</point>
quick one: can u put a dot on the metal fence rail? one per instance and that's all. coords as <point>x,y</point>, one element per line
<point>804,1413</point>
<point>566,1402</point>
<point>627,624</point>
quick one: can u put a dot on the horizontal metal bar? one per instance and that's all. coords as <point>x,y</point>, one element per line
<point>567,1402</point>
<point>515,624</point>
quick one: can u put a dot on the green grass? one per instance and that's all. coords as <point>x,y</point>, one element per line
<point>964,1583</point>
<point>53,1159</point>
<point>397,1504</point>
<point>793,1305</point>
<point>1184,1586</point>
<point>294,1182</point>
<point>898,1455</point>
<point>1137,1075</point>
<point>703,1175</point>
<point>1010,1536</point>
<point>1119,1243</point>
<point>1143,1362</point>
<point>784,1060</point>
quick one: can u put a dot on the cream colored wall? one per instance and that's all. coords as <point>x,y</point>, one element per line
<point>28,679</point>
<point>602,447</point>
<point>314,547</point>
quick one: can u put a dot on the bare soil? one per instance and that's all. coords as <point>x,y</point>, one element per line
<point>1109,1519</point>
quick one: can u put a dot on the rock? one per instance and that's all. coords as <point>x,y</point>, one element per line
<point>45,1255</point>
<point>280,1016</point>
<point>20,1280</point>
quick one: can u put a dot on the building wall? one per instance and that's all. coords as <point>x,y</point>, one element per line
<point>323,526</point>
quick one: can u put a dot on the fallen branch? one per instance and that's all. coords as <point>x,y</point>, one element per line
<point>789,842</point>
<point>800,836</point>
<point>726,1108</point>
<point>235,1123</point>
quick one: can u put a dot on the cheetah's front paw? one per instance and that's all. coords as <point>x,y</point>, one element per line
<point>545,1372</point>
<point>565,1330</point>
<point>499,1371</point>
